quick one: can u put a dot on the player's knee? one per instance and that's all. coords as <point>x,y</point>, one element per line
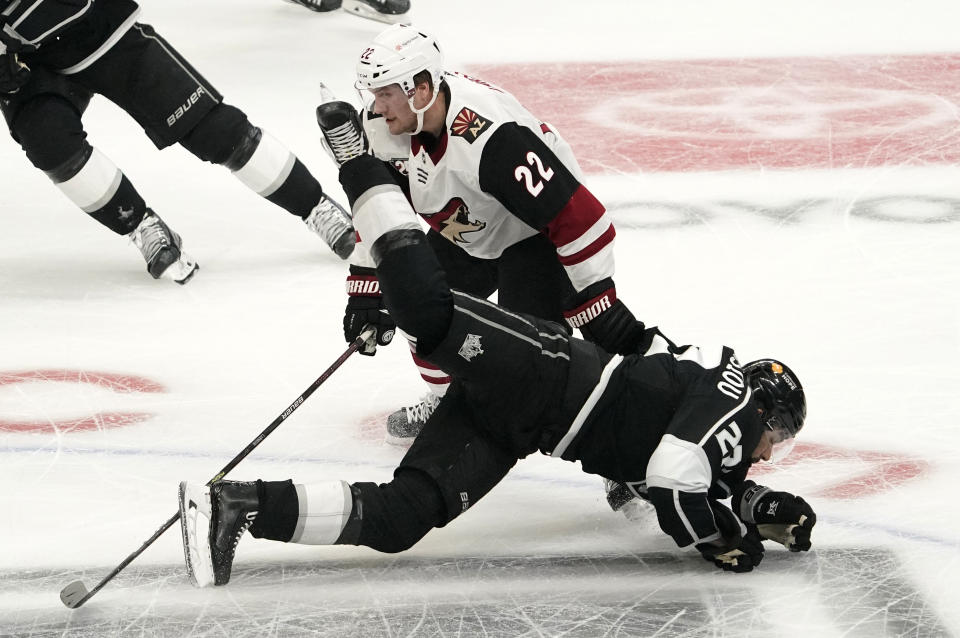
<point>224,136</point>
<point>49,131</point>
<point>400,513</point>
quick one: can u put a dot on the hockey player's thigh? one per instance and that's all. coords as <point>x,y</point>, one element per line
<point>49,130</point>
<point>154,84</point>
<point>44,89</point>
<point>463,463</point>
<point>464,272</point>
<point>532,280</point>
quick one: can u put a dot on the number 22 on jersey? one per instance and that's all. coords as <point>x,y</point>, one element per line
<point>524,174</point>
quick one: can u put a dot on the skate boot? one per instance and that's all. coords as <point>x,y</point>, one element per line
<point>343,136</point>
<point>160,248</point>
<point>212,520</point>
<point>633,504</point>
<point>389,11</point>
<point>334,225</point>
<point>405,424</point>
<point>318,5</point>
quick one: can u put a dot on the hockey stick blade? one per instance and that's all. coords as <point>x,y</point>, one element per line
<point>73,594</point>
<point>76,594</point>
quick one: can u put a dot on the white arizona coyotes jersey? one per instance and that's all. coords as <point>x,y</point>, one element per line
<point>498,175</point>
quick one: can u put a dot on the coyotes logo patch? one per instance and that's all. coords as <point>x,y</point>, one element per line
<point>469,125</point>
<point>454,221</point>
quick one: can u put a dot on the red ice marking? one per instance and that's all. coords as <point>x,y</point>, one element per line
<point>873,472</point>
<point>122,383</point>
<point>699,115</point>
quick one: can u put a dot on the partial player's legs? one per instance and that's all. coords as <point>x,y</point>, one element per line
<point>390,11</point>
<point>463,272</point>
<point>150,80</point>
<point>46,122</point>
<point>263,164</point>
<point>448,469</point>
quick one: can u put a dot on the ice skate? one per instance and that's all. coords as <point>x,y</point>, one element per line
<point>343,135</point>
<point>334,225</point>
<point>212,520</point>
<point>389,11</point>
<point>161,249</point>
<point>634,505</point>
<point>318,5</point>
<point>405,424</point>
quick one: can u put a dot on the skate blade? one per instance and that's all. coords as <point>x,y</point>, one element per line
<point>364,11</point>
<point>399,441</point>
<point>195,515</point>
<point>182,270</point>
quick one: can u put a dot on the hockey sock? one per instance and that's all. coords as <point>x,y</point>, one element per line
<point>436,379</point>
<point>95,184</point>
<point>274,173</point>
<point>278,511</point>
<point>309,514</point>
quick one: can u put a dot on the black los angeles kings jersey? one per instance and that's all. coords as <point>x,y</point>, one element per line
<point>675,424</point>
<point>68,35</point>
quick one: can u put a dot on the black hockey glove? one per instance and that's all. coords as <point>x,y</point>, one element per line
<point>603,319</point>
<point>779,516</point>
<point>13,73</point>
<point>365,307</point>
<point>734,552</point>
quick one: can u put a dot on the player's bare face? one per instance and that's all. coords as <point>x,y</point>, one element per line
<point>764,447</point>
<point>391,102</point>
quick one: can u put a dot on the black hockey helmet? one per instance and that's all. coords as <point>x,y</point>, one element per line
<point>779,395</point>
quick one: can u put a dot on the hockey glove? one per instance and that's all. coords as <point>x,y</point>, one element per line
<point>779,516</point>
<point>13,73</point>
<point>365,307</point>
<point>734,551</point>
<point>603,319</point>
<point>744,557</point>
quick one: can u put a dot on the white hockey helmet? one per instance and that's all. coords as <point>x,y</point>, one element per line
<point>396,55</point>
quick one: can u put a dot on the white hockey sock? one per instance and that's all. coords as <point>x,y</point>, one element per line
<point>94,184</point>
<point>268,168</point>
<point>324,510</point>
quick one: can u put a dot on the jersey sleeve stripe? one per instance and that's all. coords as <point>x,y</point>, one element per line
<point>603,241</point>
<point>577,216</point>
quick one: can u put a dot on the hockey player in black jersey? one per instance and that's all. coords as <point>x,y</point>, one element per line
<point>679,424</point>
<point>56,54</point>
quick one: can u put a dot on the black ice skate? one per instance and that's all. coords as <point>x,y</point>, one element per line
<point>343,135</point>
<point>212,520</point>
<point>389,11</point>
<point>161,249</point>
<point>318,5</point>
<point>405,424</point>
<point>334,225</point>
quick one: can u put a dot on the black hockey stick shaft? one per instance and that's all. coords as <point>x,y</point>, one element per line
<point>75,594</point>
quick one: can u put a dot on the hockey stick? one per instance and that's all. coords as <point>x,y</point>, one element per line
<point>75,594</point>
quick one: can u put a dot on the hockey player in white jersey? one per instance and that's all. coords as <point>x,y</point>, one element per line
<point>503,196</point>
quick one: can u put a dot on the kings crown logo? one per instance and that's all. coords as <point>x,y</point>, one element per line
<point>469,125</point>
<point>471,347</point>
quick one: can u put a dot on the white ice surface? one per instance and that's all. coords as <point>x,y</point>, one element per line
<point>865,310</point>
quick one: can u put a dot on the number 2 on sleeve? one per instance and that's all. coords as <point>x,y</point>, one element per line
<point>524,174</point>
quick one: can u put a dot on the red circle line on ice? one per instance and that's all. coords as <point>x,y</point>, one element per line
<point>775,113</point>
<point>120,383</point>
<point>870,472</point>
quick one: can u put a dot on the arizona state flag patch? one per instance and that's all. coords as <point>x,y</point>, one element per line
<point>469,125</point>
